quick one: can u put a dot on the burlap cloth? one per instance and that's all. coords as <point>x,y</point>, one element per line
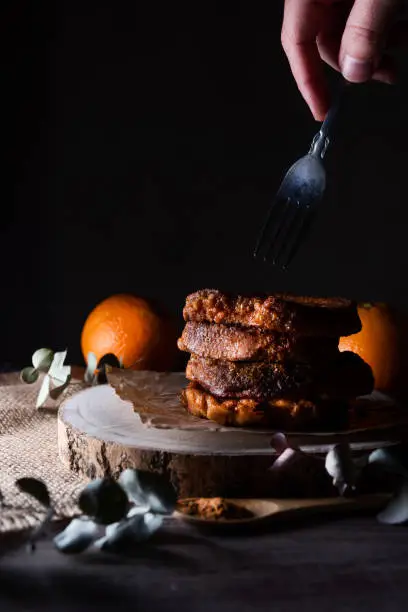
<point>28,447</point>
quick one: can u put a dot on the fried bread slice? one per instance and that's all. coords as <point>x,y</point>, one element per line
<point>346,376</point>
<point>236,343</point>
<point>285,413</point>
<point>304,316</point>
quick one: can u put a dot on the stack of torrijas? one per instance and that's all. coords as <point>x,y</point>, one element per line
<point>271,360</point>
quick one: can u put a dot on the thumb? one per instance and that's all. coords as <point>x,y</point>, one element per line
<point>364,37</point>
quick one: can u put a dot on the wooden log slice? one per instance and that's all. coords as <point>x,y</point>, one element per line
<point>99,434</point>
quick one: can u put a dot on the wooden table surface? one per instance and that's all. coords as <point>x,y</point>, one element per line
<point>341,564</point>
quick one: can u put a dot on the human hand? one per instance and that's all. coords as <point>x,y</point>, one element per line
<point>349,35</point>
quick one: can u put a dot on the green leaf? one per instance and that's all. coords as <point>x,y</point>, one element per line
<point>137,527</point>
<point>105,364</point>
<point>29,375</point>
<point>342,468</point>
<point>36,488</point>
<point>393,459</point>
<point>109,359</point>
<point>90,372</point>
<point>104,500</point>
<point>396,511</point>
<point>149,489</point>
<point>77,536</point>
<point>58,389</point>
<point>58,371</point>
<point>42,359</point>
<point>44,392</point>
<point>279,442</point>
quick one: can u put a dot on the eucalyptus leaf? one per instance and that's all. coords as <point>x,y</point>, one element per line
<point>109,359</point>
<point>90,372</point>
<point>57,390</point>
<point>105,363</point>
<point>29,375</point>
<point>77,537</point>
<point>152,522</point>
<point>104,500</point>
<point>149,489</point>
<point>392,459</point>
<point>121,537</point>
<point>58,383</point>
<point>136,510</point>
<point>44,392</point>
<point>58,371</point>
<point>36,488</point>
<point>279,442</point>
<point>42,359</point>
<point>297,466</point>
<point>396,512</point>
<point>341,467</point>
<point>286,456</point>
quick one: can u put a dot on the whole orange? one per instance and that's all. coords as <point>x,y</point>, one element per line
<point>380,343</point>
<point>129,328</point>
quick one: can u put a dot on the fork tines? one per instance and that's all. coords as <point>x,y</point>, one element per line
<point>281,232</point>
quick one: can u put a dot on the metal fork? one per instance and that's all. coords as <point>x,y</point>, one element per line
<point>295,203</point>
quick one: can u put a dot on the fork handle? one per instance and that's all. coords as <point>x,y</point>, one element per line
<point>322,139</point>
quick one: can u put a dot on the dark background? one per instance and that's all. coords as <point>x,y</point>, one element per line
<point>143,143</point>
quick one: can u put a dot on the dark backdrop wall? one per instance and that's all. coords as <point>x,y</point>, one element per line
<point>143,144</point>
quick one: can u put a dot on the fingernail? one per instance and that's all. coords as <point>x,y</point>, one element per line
<point>356,70</point>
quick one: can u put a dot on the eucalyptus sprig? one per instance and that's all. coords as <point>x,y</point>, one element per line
<point>115,515</point>
<point>348,472</point>
<point>394,460</point>
<point>58,375</point>
<point>96,370</point>
<point>348,475</point>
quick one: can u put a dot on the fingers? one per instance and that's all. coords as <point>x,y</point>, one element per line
<point>349,35</point>
<point>331,32</point>
<point>301,25</point>
<point>329,41</point>
<point>364,38</point>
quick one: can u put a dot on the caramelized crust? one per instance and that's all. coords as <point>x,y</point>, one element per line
<point>304,316</point>
<point>347,376</point>
<point>235,343</point>
<point>288,414</point>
